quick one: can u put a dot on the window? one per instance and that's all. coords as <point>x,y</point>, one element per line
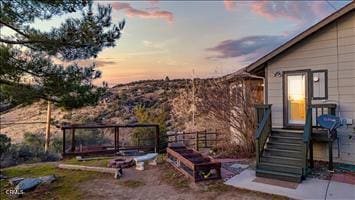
<point>320,84</point>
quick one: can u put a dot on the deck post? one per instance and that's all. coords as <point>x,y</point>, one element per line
<point>73,140</point>
<point>63,142</point>
<point>330,166</point>
<point>311,161</point>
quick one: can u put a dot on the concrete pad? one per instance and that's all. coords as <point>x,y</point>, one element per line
<point>226,174</point>
<point>275,182</point>
<point>228,160</point>
<point>308,189</point>
<point>342,191</point>
<point>344,178</point>
<point>239,166</point>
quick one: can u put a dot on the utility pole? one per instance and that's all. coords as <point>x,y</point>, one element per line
<point>48,127</point>
<point>193,99</point>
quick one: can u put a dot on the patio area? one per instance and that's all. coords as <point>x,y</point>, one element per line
<point>311,188</point>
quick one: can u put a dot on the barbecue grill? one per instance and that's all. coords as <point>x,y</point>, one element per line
<point>331,123</point>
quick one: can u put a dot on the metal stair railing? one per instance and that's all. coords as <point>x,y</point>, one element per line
<point>263,130</point>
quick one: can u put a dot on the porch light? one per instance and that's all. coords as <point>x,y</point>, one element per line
<point>277,74</point>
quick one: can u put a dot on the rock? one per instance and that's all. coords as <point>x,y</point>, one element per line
<point>118,173</point>
<point>2,177</point>
<point>121,162</point>
<point>14,181</point>
<point>47,179</point>
<point>28,184</point>
<point>79,158</point>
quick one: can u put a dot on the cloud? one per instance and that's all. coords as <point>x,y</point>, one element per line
<point>145,14</point>
<point>104,63</point>
<point>246,48</point>
<point>301,12</point>
<point>99,62</point>
<point>154,2</point>
<point>229,5</point>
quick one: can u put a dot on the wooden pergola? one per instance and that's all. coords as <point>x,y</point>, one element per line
<point>116,128</point>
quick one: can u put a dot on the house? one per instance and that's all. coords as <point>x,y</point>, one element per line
<point>310,75</point>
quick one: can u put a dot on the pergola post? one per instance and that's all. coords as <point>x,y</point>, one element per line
<point>73,140</point>
<point>157,138</point>
<point>63,142</point>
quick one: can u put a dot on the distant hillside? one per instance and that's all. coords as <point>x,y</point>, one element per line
<point>116,106</point>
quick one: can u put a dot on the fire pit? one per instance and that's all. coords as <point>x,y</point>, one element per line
<point>121,162</point>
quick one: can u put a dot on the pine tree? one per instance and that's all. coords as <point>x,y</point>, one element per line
<point>28,71</point>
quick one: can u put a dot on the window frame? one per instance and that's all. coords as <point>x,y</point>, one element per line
<point>325,84</point>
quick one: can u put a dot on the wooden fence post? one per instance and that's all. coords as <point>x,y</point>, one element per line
<point>48,127</point>
<point>205,138</point>
<point>196,141</point>
<point>115,138</point>
<point>118,138</point>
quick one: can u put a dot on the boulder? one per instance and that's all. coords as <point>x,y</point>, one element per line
<point>28,184</point>
<point>2,177</point>
<point>119,173</point>
<point>47,179</point>
<point>14,181</point>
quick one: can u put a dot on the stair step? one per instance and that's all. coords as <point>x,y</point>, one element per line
<point>287,134</point>
<point>285,146</point>
<point>282,160</point>
<point>293,140</point>
<point>280,168</point>
<point>279,175</point>
<point>283,152</point>
<point>280,130</point>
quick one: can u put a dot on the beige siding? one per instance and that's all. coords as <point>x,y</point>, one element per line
<point>331,48</point>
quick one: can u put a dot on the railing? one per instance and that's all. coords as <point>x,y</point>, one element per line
<point>313,111</point>
<point>196,140</point>
<point>263,116</point>
<point>307,141</point>
<point>321,109</point>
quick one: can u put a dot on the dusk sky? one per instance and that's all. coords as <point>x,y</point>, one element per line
<point>171,38</point>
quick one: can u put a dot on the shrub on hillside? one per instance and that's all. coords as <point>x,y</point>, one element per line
<point>90,137</point>
<point>5,143</point>
<point>30,150</point>
<point>145,136</point>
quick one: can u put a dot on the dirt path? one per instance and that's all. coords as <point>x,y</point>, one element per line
<point>162,182</point>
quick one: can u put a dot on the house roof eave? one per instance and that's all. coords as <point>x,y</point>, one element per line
<point>260,62</point>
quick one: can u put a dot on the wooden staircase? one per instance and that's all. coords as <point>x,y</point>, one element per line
<point>281,153</point>
<point>282,157</point>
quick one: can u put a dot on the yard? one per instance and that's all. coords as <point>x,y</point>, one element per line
<point>160,182</point>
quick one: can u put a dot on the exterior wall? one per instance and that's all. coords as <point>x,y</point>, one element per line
<point>331,48</point>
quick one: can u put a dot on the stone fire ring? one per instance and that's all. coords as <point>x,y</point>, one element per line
<point>121,162</point>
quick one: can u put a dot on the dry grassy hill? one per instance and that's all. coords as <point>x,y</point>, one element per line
<point>115,106</point>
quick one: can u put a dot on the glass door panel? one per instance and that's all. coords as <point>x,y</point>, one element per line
<point>296,99</point>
